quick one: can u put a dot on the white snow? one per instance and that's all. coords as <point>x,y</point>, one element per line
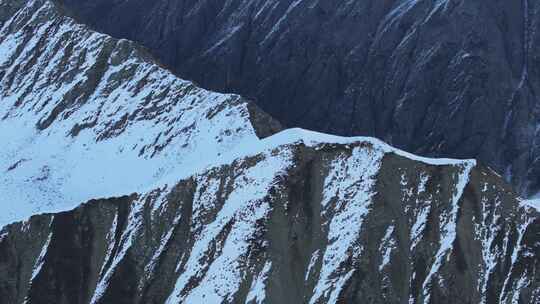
<point>534,203</point>
<point>424,178</point>
<point>41,258</point>
<point>163,242</point>
<point>126,240</point>
<point>387,244</point>
<point>40,261</point>
<point>515,251</point>
<point>348,189</point>
<point>448,227</point>
<point>486,233</point>
<point>521,283</point>
<point>110,241</point>
<point>257,291</point>
<point>146,131</point>
<point>314,139</point>
<point>38,264</point>
<point>173,130</point>
<point>277,25</point>
<point>421,210</point>
<point>151,129</point>
<point>312,261</point>
<point>220,277</point>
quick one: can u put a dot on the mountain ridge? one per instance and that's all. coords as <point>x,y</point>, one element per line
<point>235,232</point>
<point>215,203</point>
<point>87,115</point>
<point>439,78</point>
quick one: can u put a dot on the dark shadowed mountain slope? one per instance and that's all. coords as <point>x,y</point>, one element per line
<point>437,77</point>
<point>302,218</point>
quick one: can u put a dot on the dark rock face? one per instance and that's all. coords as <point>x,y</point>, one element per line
<point>328,223</point>
<point>441,78</point>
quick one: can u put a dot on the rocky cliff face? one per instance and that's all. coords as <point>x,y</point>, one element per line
<point>213,204</point>
<point>83,115</point>
<point>444,78</point>
<point>299,219</point>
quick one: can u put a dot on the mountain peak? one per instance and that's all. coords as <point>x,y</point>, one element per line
<point>87,115</point>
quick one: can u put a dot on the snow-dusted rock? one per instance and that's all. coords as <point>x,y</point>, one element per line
<point>83,115</point>
<point>436,77</point>
<point>299,218</point>
<point>208,212</point>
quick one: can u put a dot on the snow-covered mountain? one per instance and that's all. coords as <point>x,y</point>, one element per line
<point>212,204</point>
<point>83,115</point>
<point>299,218</point>
<point>444,78</point>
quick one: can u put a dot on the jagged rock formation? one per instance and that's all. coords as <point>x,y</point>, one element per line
<point>300,219</point>
<point>208,212</point>
<point>83,115</point>
<point>439,77</point>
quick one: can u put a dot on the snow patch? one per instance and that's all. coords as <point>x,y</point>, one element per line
<point>220,273</point>
<point>448,227</point>
<point>41,258</point>
<point>312,261</point>
<point>348,191</point>
<point>257,291</point>
<point>387,244</point>
<point>134,222</point>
